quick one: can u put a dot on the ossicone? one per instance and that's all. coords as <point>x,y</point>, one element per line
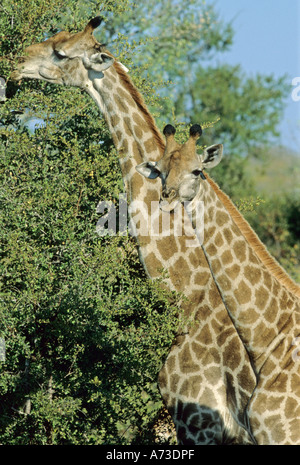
<point>169,130</point>
<point>93,24</point>
<point>196,130</point>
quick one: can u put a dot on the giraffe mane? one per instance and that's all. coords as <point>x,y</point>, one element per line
<point>141,105</point>
<point>259,248</point>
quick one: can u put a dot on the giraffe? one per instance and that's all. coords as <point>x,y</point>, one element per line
<point>261,299</point>
<point>206,380</point>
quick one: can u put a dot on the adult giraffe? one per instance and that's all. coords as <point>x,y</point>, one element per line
<point>261,299</point>
<point>206,380</point>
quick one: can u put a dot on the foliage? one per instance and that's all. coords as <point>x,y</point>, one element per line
<point>182,42</point>
<point>85,330</point>
<point>275,212</point>
<point>276,222</point>
<point>76,309</point>
<point>249,107</point>
<point>173,37</point>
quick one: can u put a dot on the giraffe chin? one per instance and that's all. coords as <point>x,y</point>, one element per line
<point>169,207</point>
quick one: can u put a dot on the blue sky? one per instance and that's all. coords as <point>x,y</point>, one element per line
<point>267,41</point>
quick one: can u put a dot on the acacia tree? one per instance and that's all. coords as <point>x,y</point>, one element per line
<point>182,43</point>
<point>85,332</point>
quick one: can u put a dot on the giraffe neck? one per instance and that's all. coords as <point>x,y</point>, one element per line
<point>259,304</point>
<point>133,129</point>
<point>137,139</point>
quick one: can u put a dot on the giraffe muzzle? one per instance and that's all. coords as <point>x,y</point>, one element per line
<point>169,200</point>
<point>169,194</point>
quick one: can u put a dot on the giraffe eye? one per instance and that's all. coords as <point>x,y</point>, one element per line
<point>196,172</point>
<point>99,47</point>
<point>60,55</point>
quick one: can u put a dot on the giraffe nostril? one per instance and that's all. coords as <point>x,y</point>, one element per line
<point>168,194</point>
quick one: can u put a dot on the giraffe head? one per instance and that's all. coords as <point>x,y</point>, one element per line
<point>69,59</point>
<point>181,168</point>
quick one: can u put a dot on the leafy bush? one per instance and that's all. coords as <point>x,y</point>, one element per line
<point>85,331</point>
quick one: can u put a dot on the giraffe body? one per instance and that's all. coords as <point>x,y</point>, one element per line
<point>260,298</point>
<point>207,379</point>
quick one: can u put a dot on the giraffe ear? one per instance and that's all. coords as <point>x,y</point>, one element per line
<point>148,169</point>
<point>212,156</point>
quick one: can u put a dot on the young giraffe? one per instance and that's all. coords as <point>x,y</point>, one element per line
<point>207,380</point>
<point>261,299</point>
